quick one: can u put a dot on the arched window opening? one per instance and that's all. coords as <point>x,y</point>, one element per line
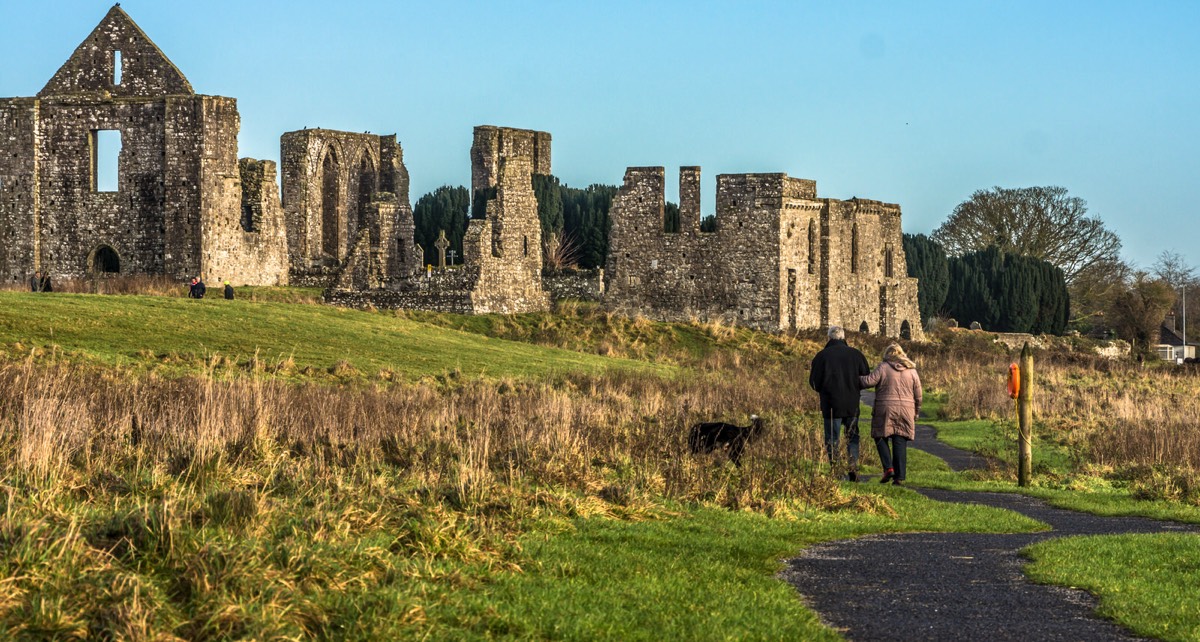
<point>854,249</point>
<point>864,328</point>
<point>105,260</point>
<point>329,204</point>
<point>906,331</point>
<point>812,247</point>
<point>887,262</point>
<point>366,188</point>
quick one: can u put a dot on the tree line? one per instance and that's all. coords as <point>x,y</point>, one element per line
<point>578,218</point>
<point>1034,260</point>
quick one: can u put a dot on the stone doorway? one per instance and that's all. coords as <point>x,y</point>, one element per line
<point>104,260</point>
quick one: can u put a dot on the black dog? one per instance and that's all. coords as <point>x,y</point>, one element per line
<point>706,437</point>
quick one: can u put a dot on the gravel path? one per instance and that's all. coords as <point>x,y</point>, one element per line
<point>955,586</point>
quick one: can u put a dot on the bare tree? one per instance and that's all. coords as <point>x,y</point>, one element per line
<point>1172,268</point>
<point>1042,222</point>
<point>1138,310</point>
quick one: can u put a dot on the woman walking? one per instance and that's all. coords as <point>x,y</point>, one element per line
<point>897,405</point>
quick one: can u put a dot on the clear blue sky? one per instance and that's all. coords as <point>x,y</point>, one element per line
<point>917,103</point>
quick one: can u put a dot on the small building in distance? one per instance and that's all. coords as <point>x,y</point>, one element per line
<point>118,166</point>
<point>780,259</point>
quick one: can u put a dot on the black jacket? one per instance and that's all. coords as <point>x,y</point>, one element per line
<point>229,292</point>
<point>835,373</point>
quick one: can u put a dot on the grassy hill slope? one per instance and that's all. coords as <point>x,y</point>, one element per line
<point>185,334</point>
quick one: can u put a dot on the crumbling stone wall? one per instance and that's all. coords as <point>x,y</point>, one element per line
<point>780,258</point>
<point>330,182</point>
<point>502,259</point>
<point>178,181</point>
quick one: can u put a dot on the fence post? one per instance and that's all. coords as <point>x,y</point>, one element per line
<point>1025,416</point>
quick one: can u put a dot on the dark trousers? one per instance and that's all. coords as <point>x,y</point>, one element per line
<point>897,458</point>
<point>833,426</point>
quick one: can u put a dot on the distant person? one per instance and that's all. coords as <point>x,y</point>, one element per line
<point>228,291</point>
<point>35,282</point>
<point>835,376</point>
<point>897,406</point>
<point>196,290</point>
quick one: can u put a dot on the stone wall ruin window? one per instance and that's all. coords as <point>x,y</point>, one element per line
<point>105,147</point>
<point>116,58</point>
<point>104,260</point>
<point>887,262</point>
<point>525,245</point>
<point>854,249</point>
<point>366,188</point>
<point>812,247</point>
<point>329,204</point>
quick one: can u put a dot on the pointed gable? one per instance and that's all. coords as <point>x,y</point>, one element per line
<point>144,70</point>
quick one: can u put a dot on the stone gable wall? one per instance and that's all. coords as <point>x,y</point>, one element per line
<point>178,198</point>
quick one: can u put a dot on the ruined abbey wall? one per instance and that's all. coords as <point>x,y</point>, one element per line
<point>780,258</point>
<point>177,198</point>
<point>502,259</point>
<point>330,179</point>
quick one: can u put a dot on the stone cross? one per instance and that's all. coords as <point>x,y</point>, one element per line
<point>452,254</point>
<point>441,244</point>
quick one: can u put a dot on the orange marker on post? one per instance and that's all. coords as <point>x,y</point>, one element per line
<point>1014,380</point>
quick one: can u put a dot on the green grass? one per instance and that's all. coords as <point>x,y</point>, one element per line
<point>182,334</point>
<point>1145,582</point>
<point>673,579</point>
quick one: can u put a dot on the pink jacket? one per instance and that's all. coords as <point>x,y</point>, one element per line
<point>897,400</point>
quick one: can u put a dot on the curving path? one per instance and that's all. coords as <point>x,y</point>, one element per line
<point>955,586</point>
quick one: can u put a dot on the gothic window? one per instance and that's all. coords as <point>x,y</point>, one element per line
<point>329,204</point>
<point>887,262</point>
<point>366,188</point>
<point>117,68</point>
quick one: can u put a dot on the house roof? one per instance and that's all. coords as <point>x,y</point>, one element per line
<point>1168,337</point>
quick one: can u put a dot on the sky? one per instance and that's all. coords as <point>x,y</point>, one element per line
<point>916,103</point>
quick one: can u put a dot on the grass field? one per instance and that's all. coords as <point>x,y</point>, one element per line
<point>187,336</point>
<point>270,469</point>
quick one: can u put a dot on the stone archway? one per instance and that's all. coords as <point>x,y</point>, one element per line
<point>329,205</point>
<point>104,260</point>
<point>864,328</point>
<point>906,330</point>
<point>366,189</point>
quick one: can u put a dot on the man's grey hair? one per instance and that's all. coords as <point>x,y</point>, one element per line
<point>836,332</point>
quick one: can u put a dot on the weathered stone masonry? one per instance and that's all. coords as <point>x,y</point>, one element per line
<point>780,259</point>
<point>177,209</point>
<point>502,258</point>
<point>334,184</point>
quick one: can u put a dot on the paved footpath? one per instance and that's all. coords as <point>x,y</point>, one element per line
<point>956,586</point>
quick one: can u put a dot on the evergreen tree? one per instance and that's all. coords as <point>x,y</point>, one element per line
<point>1007,293</point>
<point>671,217</point>
<point>926,261</point>
<point>445,208</point>
<point>550,206</point>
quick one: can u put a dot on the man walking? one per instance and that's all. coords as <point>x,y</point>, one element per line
<point>835,372</point>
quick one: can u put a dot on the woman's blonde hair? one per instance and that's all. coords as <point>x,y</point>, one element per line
<point>895,354</point>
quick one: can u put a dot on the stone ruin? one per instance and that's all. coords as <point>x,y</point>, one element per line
<point>781,259</point>
<point>183,205</point>
<point>502,248</point>
<point>338,186</point>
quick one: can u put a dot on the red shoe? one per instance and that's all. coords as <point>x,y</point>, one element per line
<point>887,476</point>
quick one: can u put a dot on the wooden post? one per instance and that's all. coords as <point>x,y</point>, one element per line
<point>1025,416</point>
